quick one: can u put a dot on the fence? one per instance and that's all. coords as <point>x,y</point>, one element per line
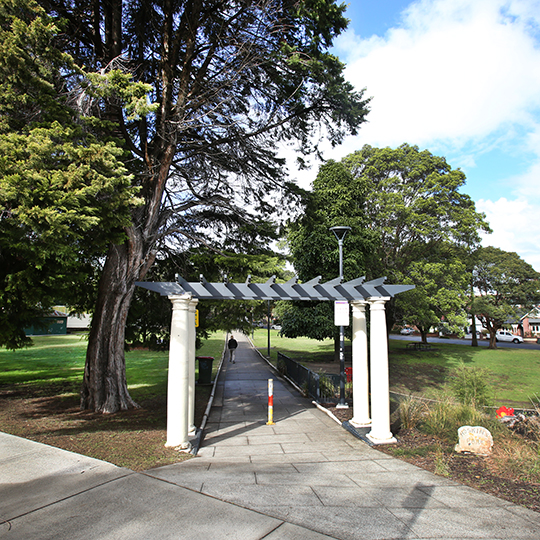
<point>322,387</point>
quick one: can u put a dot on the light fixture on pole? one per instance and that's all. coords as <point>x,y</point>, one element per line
<point>340,233</point>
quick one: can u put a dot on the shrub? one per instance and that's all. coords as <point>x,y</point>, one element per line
<point>469,386</point>
<point>410,412</point>
<point>326,386</point>
<point>445,417</point>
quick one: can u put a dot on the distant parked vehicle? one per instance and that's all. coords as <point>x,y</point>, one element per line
<point>407,331</point>
<point>505,335</point>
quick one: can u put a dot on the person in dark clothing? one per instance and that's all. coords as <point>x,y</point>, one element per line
<point>232,349</point>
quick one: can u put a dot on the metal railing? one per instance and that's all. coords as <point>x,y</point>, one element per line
<point>322,387</point>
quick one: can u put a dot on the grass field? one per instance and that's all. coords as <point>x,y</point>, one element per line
<point>514,374</point>
<point>39,396</point>
<point>59,360</point>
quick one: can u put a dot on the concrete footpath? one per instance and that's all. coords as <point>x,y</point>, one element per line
<point>303,478</point>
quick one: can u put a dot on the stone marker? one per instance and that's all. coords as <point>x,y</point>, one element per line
<point>474,439</point>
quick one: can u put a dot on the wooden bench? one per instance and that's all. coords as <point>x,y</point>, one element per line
<point>419,346</point>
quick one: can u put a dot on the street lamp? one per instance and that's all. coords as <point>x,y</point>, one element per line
<point>340,233</point>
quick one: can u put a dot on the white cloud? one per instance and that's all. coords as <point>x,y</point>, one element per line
<point>460,77</point>
<point>527,186</point>
<point>513,225</point>
<point>456,70</point>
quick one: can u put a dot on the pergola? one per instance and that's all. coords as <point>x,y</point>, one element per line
<point>360,294</point>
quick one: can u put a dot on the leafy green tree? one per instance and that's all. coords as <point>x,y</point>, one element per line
<point>439,295</point>
<point>414,206</point>
<point>231,80</point>
<point>337,198</point>
<point>64,194</point>
<point>410,220</point>
<point>505,286</point>
<point>416,210</point>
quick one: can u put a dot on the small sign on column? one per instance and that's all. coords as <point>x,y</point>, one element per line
<point>341,313</point>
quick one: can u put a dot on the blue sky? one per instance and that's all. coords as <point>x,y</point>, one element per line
<point>460,78</point>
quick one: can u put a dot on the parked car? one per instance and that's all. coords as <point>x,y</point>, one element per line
<point>505,335</point>
<point>407,331</point>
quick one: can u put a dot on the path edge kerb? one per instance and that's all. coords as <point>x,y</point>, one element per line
<point>200,432</point>
<point>345,425</point>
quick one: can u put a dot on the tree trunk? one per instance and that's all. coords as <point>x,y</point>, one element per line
<point>104,387</point>
<point>492,339</point>
<point>474,341</point>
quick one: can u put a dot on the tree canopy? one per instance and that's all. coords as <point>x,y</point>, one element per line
<point>337,198</point>
<point>414,206</point>
<point>230,80</point>
<point>505,287</point>
<point>410,223</point>
<point>439,296</point>
<point>64,194</point>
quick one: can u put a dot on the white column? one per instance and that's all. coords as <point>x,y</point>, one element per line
<point>178,377</point>
<point>191,345</point>
<point>360,369</point>
<point>380,387</point>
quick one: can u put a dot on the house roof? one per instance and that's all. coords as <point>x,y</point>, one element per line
<point>56,313</point>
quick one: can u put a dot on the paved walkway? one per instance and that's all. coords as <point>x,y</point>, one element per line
<point>303,478</point>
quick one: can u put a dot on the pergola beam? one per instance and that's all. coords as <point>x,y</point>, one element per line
<point>313,290</point>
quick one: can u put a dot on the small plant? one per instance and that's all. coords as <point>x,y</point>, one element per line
<point>519,456</point>
<point>445,417</point>
<point>411,411</point>
<point>326,386</point>
<point>441,463</point>
<point>469,386</point>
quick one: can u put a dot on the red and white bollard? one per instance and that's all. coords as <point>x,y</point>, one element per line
<point>270,403</point>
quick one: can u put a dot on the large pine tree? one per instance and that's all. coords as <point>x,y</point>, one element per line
<point>232,81</point>
<point>64,193</point>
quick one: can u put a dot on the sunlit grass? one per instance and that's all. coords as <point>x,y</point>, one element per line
<point>309,349</point>
<point>514,374</point>
<point>59,361</point>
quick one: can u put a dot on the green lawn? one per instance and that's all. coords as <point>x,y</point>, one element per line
<point>59,360</point>
<point>514,373</point>
<point>309,350</point>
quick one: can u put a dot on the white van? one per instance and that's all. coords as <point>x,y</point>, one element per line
<point>505,335</point>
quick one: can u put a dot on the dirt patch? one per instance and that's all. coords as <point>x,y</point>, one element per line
<point>134,439</point>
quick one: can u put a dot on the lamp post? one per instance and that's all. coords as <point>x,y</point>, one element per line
<point>340,233</point>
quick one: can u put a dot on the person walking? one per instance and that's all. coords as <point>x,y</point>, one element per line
<point>232,349</point>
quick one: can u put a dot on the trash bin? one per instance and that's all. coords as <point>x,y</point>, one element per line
<point>205,369</point>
